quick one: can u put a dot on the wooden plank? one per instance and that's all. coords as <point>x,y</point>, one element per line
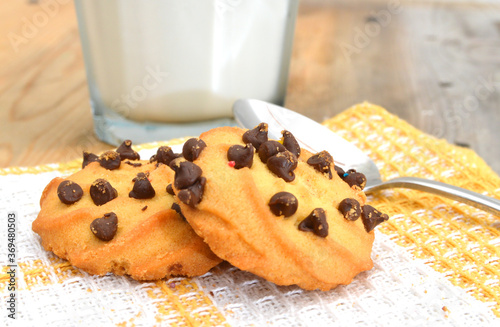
<point>436,65</point>
<point>45,112</point>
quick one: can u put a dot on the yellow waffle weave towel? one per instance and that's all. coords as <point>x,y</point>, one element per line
<point>455,239</point>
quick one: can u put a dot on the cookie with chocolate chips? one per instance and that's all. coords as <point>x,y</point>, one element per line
<point>119,218</point>
<point>274,210</point>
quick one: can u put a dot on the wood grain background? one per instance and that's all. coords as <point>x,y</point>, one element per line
<point>435,64</point>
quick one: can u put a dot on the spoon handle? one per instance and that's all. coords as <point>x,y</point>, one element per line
<point>474,199</point>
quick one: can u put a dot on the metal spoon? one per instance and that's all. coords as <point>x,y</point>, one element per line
<point>316,137</point>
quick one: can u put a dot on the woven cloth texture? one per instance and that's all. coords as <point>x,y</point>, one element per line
<point>455,239</point>
<point>51,292</point>
<point>445,272</point>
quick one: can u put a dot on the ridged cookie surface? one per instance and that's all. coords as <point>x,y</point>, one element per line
<point>121,222</point>
<point>235,201</point>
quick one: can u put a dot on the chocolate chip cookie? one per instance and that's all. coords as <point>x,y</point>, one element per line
<point>276,210</point>
<point>115,215</point>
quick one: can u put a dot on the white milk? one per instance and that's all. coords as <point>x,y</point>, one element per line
<point>185,60</point>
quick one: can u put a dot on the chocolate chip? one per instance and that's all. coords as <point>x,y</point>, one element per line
<point>134,164</point>
<point>283,204</point>
<point>192,148</point>
<point>126,152</point>
<point>188,181</point>
<point>322,162</point>
<point>350,208</point>
<point>241,155</point>
<point>142,187</point>
<point>186,173</point>
<point>352,177</point>
<point>88,158</point>
<point>192,195</point>
<point>339,171</point>
<point>291,143</point>
<point>170,189</point>
<point>164,155</point>
<point>144,208</point>
<point>256,136</point>
<point>316,223</point>
<point>69,192</point>
<point>177,208</point>
<point>371,217</point>
<point>102,192</point>
<point>283,164</point>
<point>105,228</point>
<point>269,149</point>
<point>110,160</point>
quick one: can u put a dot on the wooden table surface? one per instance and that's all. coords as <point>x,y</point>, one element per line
<point>435,64</point>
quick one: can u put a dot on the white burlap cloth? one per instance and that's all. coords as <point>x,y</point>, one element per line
<point>398,291</point>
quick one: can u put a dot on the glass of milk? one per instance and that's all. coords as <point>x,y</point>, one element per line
<point>160,69</point>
